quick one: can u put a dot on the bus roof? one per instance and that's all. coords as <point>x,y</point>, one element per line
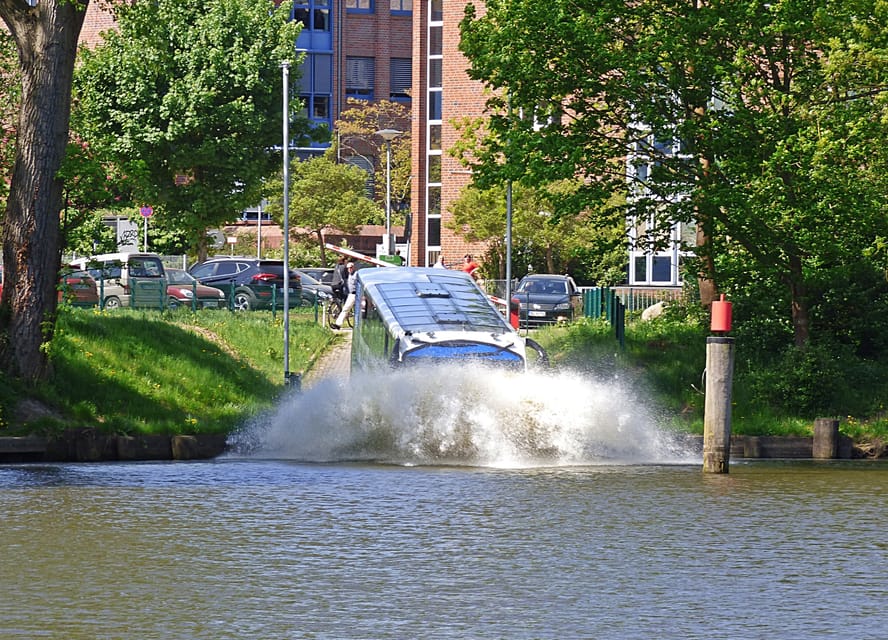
<point>424,300</point>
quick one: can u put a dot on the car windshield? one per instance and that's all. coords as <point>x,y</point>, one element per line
<point>177,276</point>
<point>307,279</point>
<point>543,286</point>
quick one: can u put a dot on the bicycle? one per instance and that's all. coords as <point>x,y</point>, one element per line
<point>334,308</point>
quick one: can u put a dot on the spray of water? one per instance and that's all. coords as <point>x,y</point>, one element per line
<point>462,415</point>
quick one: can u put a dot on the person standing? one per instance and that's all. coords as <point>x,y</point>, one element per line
<point>351,286</point>
<point>440,262</point>
<point>470,266</point>
<point>340,277</point>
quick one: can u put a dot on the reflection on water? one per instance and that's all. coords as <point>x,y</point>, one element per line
<point>518,507</point>
<point>464,415</point>
<point>277,549</point>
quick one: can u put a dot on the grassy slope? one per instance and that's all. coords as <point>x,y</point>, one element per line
<point>176,372</point>
<point>668,360</point>
<point>183,372</point>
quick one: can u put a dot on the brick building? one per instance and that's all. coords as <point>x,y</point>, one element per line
<point>442,93</point>
<point>400,50</point>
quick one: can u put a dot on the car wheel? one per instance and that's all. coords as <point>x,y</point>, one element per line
<point>112,302</point>
<point>174,304</point>
<point>242,302</point>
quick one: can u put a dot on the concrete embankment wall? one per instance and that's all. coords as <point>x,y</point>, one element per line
<point>89,445</point>
<point>801,447</point>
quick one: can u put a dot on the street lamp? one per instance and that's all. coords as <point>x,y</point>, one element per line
<point>388,135</point>
<point>285,68</point>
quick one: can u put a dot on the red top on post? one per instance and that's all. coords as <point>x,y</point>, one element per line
<point>721,315</point>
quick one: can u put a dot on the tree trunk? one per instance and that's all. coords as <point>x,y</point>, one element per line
<point>46,38</point>
<point>801,320</point>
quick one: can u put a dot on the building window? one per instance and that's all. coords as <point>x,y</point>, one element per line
<point>434,201</point>
<point>435,168</point>
<point>359,78</point>
<point>437,11</point>
<point>401,78</point>
<point>435,100</point>
<point>436,40</point>
<point>401,6</point>
<point>434,239</point>
<point>435,73</point>
<point>434,137</point>
<point>313,14</point>
<point>359,6</point>
<point>315,87</point>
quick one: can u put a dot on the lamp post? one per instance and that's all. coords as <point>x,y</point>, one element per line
<point>285,68</point>
<point>388,135</point>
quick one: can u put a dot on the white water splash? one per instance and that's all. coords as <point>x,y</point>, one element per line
<point>462,416</point>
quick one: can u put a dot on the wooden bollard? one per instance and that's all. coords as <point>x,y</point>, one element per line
<point>826,439</point>
<point>717,412</point>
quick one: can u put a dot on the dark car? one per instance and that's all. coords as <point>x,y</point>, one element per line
<point>313,290</point>
<point>547,299</point>
<point>249,283</point>
<point>184,290</point>
<point>324,275</point>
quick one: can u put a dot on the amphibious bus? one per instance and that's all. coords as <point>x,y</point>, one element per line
<point>411,315</point>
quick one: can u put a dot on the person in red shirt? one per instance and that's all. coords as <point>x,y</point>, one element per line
<point>470,266</point>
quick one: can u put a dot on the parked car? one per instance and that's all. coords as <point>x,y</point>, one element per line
<point>324,275</point>
<point>127,279</point>
<point>547,299</point>
<point>78,288</point>
<point>313,290</point>
<point>249,283</point>
<point>183,289</point>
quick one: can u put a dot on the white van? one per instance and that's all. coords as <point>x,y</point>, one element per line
<point>128,279</point>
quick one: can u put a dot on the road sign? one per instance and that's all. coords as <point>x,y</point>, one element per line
<point>146,212</point>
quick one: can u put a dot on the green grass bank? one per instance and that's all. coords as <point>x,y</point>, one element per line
<point>175,372</point>
<point>182,372</point>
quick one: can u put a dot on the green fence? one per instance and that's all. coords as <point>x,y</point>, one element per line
<point>603,302</point>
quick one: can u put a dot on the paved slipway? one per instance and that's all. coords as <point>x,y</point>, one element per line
<point>336,362</point>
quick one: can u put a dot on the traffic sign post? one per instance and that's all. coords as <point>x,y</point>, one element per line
<point>146,213</point>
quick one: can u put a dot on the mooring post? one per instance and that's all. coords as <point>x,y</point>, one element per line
<point>717,411</point>
<point>826,439</point>
<point>719,380</point>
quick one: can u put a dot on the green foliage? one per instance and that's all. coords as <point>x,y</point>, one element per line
<point>172,372</point>
<point>542,240</point>
<point>779,111</point>
<point>778,395</point>
<point>324,196</point>
<point>186,98</point>
<point>356,137</point>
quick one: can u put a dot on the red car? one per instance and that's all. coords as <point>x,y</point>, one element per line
<point>182,287</point>
<point>76,287</point>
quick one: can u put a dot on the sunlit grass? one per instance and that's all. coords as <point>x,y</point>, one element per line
<point>133,371</point>
<point>666,359</point>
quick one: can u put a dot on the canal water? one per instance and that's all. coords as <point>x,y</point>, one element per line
<point>426,516</point>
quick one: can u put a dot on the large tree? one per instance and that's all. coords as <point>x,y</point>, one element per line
<point>187,95</point>
<point>763,122</point>
<point>356,137</point>
<point>45,36</point>
<point>324,196</point>
<point>538,238</point>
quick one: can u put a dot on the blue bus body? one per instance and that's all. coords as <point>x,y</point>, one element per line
<point>406,316</point>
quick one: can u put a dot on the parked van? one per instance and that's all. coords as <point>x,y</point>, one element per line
<point>128,279</point>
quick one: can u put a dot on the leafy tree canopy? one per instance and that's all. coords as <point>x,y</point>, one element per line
<point>190,93</point>
<point>356,136</point>
<point>324,196</point>
<point>540,240</point>
<point>763,122</point>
